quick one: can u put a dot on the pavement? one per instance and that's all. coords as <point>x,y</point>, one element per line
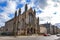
<point>52,37</point>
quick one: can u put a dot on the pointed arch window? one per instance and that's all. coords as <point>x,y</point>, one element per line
<point>31,18</point>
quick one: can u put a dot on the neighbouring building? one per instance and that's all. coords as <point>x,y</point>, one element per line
<point>43,29</point>
<point>2,29</point>
<point>48,28</point>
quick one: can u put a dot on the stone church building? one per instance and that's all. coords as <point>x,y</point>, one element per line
<point>23,24</point>
<point>27,23</point>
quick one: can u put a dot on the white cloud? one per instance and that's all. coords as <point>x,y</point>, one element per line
<point>41,3</point>
<point>48,13</point>
<point>10,8</point>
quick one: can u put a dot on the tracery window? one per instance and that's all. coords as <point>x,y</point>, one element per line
<point>31,18</point>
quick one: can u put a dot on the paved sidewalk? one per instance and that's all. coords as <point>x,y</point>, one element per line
<point>53,37</point>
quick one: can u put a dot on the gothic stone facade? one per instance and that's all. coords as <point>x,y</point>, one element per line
<point>23,24</point>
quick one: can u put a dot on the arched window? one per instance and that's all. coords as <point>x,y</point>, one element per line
<point>6,29</point>
<point>31,18</point>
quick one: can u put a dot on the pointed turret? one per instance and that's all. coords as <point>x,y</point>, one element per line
<point>15,24</point>
<point>26,7</point>
<point>16,14</point>
<point>34,12</point>
<point>38,20</point>
<point>19,12</point>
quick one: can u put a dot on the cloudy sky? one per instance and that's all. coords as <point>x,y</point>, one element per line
<point>46,10</point>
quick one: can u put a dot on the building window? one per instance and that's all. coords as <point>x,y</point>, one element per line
<point>6,29</point>
<point>18,29</point>
<point>31,18</point>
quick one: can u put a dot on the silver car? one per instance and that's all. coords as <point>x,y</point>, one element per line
<point>58,35</point>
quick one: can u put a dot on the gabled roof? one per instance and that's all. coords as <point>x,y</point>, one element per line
<point>19,15</point>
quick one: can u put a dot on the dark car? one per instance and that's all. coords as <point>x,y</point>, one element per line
<point>45,34</point>
<point>6,34</point>
<point>3,33</point>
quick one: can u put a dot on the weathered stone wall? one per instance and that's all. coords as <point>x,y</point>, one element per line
<point>9,26</point>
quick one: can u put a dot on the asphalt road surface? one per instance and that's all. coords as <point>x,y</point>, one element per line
<point>53,37</point>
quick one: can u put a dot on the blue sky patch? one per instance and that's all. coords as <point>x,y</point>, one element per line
<point>33,7</point>
<point>19,6</point>
<point>11,15</point>
<point>3,4</point>
<point>28,0</point>
<point>1,10</point>
<point>39,11</point>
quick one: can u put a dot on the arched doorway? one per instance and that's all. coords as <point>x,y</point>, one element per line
<point>30,31</point>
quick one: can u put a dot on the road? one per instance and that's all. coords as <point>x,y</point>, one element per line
<point>53,37</point>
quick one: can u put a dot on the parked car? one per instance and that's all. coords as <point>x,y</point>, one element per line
<point>49,34</point>
<point>46,34</point>
<point>3,33</point>
<point>6,34</point>
<point>58,35</point>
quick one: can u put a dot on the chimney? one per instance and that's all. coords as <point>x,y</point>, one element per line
<point>19,12</point>
<point>26,7</point>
